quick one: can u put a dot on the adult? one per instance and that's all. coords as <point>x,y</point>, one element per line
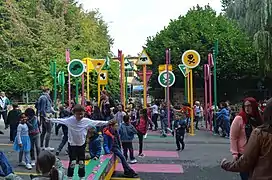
<point>105,105</point>
<point>257,157</point>
<point>45,109</point>
<point>224,117</point>
<point>241,128</point>
<point>4,103</point>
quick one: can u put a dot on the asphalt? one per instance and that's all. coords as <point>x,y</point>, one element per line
<point>200,159</point>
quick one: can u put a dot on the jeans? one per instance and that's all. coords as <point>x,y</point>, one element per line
<point>4,115</point>
<point>164,126</point>
<point>64,139</point>
<point>118,153</point>
<point>244,176</point>
<point>180,140</point>
<point>227,127</point>
<point>6,168</point>
<point>128,146</point>
<point>141,142</point>
<point>197,119</point>
<point>35,144</point>
<point>12,131</point>
<point>154,120</point>
<point>46,132</point>
<point>76,155</point>
<point>27,157</point>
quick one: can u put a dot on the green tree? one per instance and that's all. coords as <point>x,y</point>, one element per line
<point>33,33</point>
<point>198,30</point>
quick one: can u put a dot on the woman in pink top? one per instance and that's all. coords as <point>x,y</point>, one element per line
<point>241,128</point>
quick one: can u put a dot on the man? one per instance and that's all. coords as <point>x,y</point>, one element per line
<point>4,103</point>
<point>45,109</point>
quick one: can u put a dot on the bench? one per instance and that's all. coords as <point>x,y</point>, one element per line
<point>101,169</point>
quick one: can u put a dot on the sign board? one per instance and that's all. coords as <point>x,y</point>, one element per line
<point>61,78</point>
<point>162,78</point>
<point>89,65</point>
<point>183,69</point>
<point>162,67</point>
<point>144,59</point>
<point>191,59</point>
<point>128,66</point>
<point>148,75</point>
<point>103,77</point>
<point>98,64</point>
<point>76,67</point>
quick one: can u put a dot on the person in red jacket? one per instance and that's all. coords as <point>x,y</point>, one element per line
<point>142,127</point>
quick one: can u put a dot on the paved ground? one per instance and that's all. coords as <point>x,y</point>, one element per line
<point>200,159</point>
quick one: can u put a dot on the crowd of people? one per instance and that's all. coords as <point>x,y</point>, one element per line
<point>111,127</point>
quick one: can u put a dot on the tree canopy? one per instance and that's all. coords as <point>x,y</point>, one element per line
<point>32,33</point>
<point>198,30</point>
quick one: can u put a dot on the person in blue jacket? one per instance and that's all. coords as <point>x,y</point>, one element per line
<point>94,144</point>
<point>224,115</point>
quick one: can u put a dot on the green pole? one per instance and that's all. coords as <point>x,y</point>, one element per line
<point>126,75</point>
<point>55,83</point>
<point>185,89</point>
<point>215,52</point>
<point>62,89</point>
<point>76,90</point>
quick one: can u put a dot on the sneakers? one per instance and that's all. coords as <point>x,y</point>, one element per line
<point>145,136</point>
<point>22,163</point>
<point>33,163</point>
<point>133,161</point>
<point>49,149</point>
<point>141,155</point>
<point>178,149</point>
<point>131,175</point>
<point>57,153</point>
<point>28,166</point>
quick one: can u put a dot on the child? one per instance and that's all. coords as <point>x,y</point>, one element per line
<point>77,131</point>
<point>50,167</point>
<point>112,143</point>
<point>13,120</point>
<point>127,132</point>
<point>142,127</point>
<point>34,133</point>
<point>94,143</point>
<point>180,128</point>
<point>22,142</point>
<point>120,114</point>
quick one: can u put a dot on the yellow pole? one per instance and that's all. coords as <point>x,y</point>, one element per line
<point>145,86</point>
<point>103,87</point>
<point>98,93</point>
<point>192,103</point>
<point>88,80</point>
<point>188,88</point>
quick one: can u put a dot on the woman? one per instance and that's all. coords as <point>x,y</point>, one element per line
<point>241,128</point>
<point>224,116</point>
<point>257,157</point>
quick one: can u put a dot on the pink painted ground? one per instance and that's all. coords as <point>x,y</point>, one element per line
<point>154,168</point>
<point>173,154</point>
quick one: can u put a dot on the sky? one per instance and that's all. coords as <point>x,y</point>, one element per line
<point>132,21</point>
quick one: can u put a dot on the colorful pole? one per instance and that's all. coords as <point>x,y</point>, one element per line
<point>120,57</point>
<point>185,89</point>
<point>55,83</point>
<point>192,102</point>
<point>215,52</point>
<point>123,80</point>
<point>188,88</point>
<point>98,93</point>
<point>62,89</point>
<point>168,89</point>
<point>145,86</point>
<point>206,94</point>
<point>126,85</point>
<point>67,54</point>
<point>88,78</point>
<point>77,90</point>
<point>210,87</point>
<point>82,90</point>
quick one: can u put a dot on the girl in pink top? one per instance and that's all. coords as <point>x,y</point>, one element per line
<point>241,128</point>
